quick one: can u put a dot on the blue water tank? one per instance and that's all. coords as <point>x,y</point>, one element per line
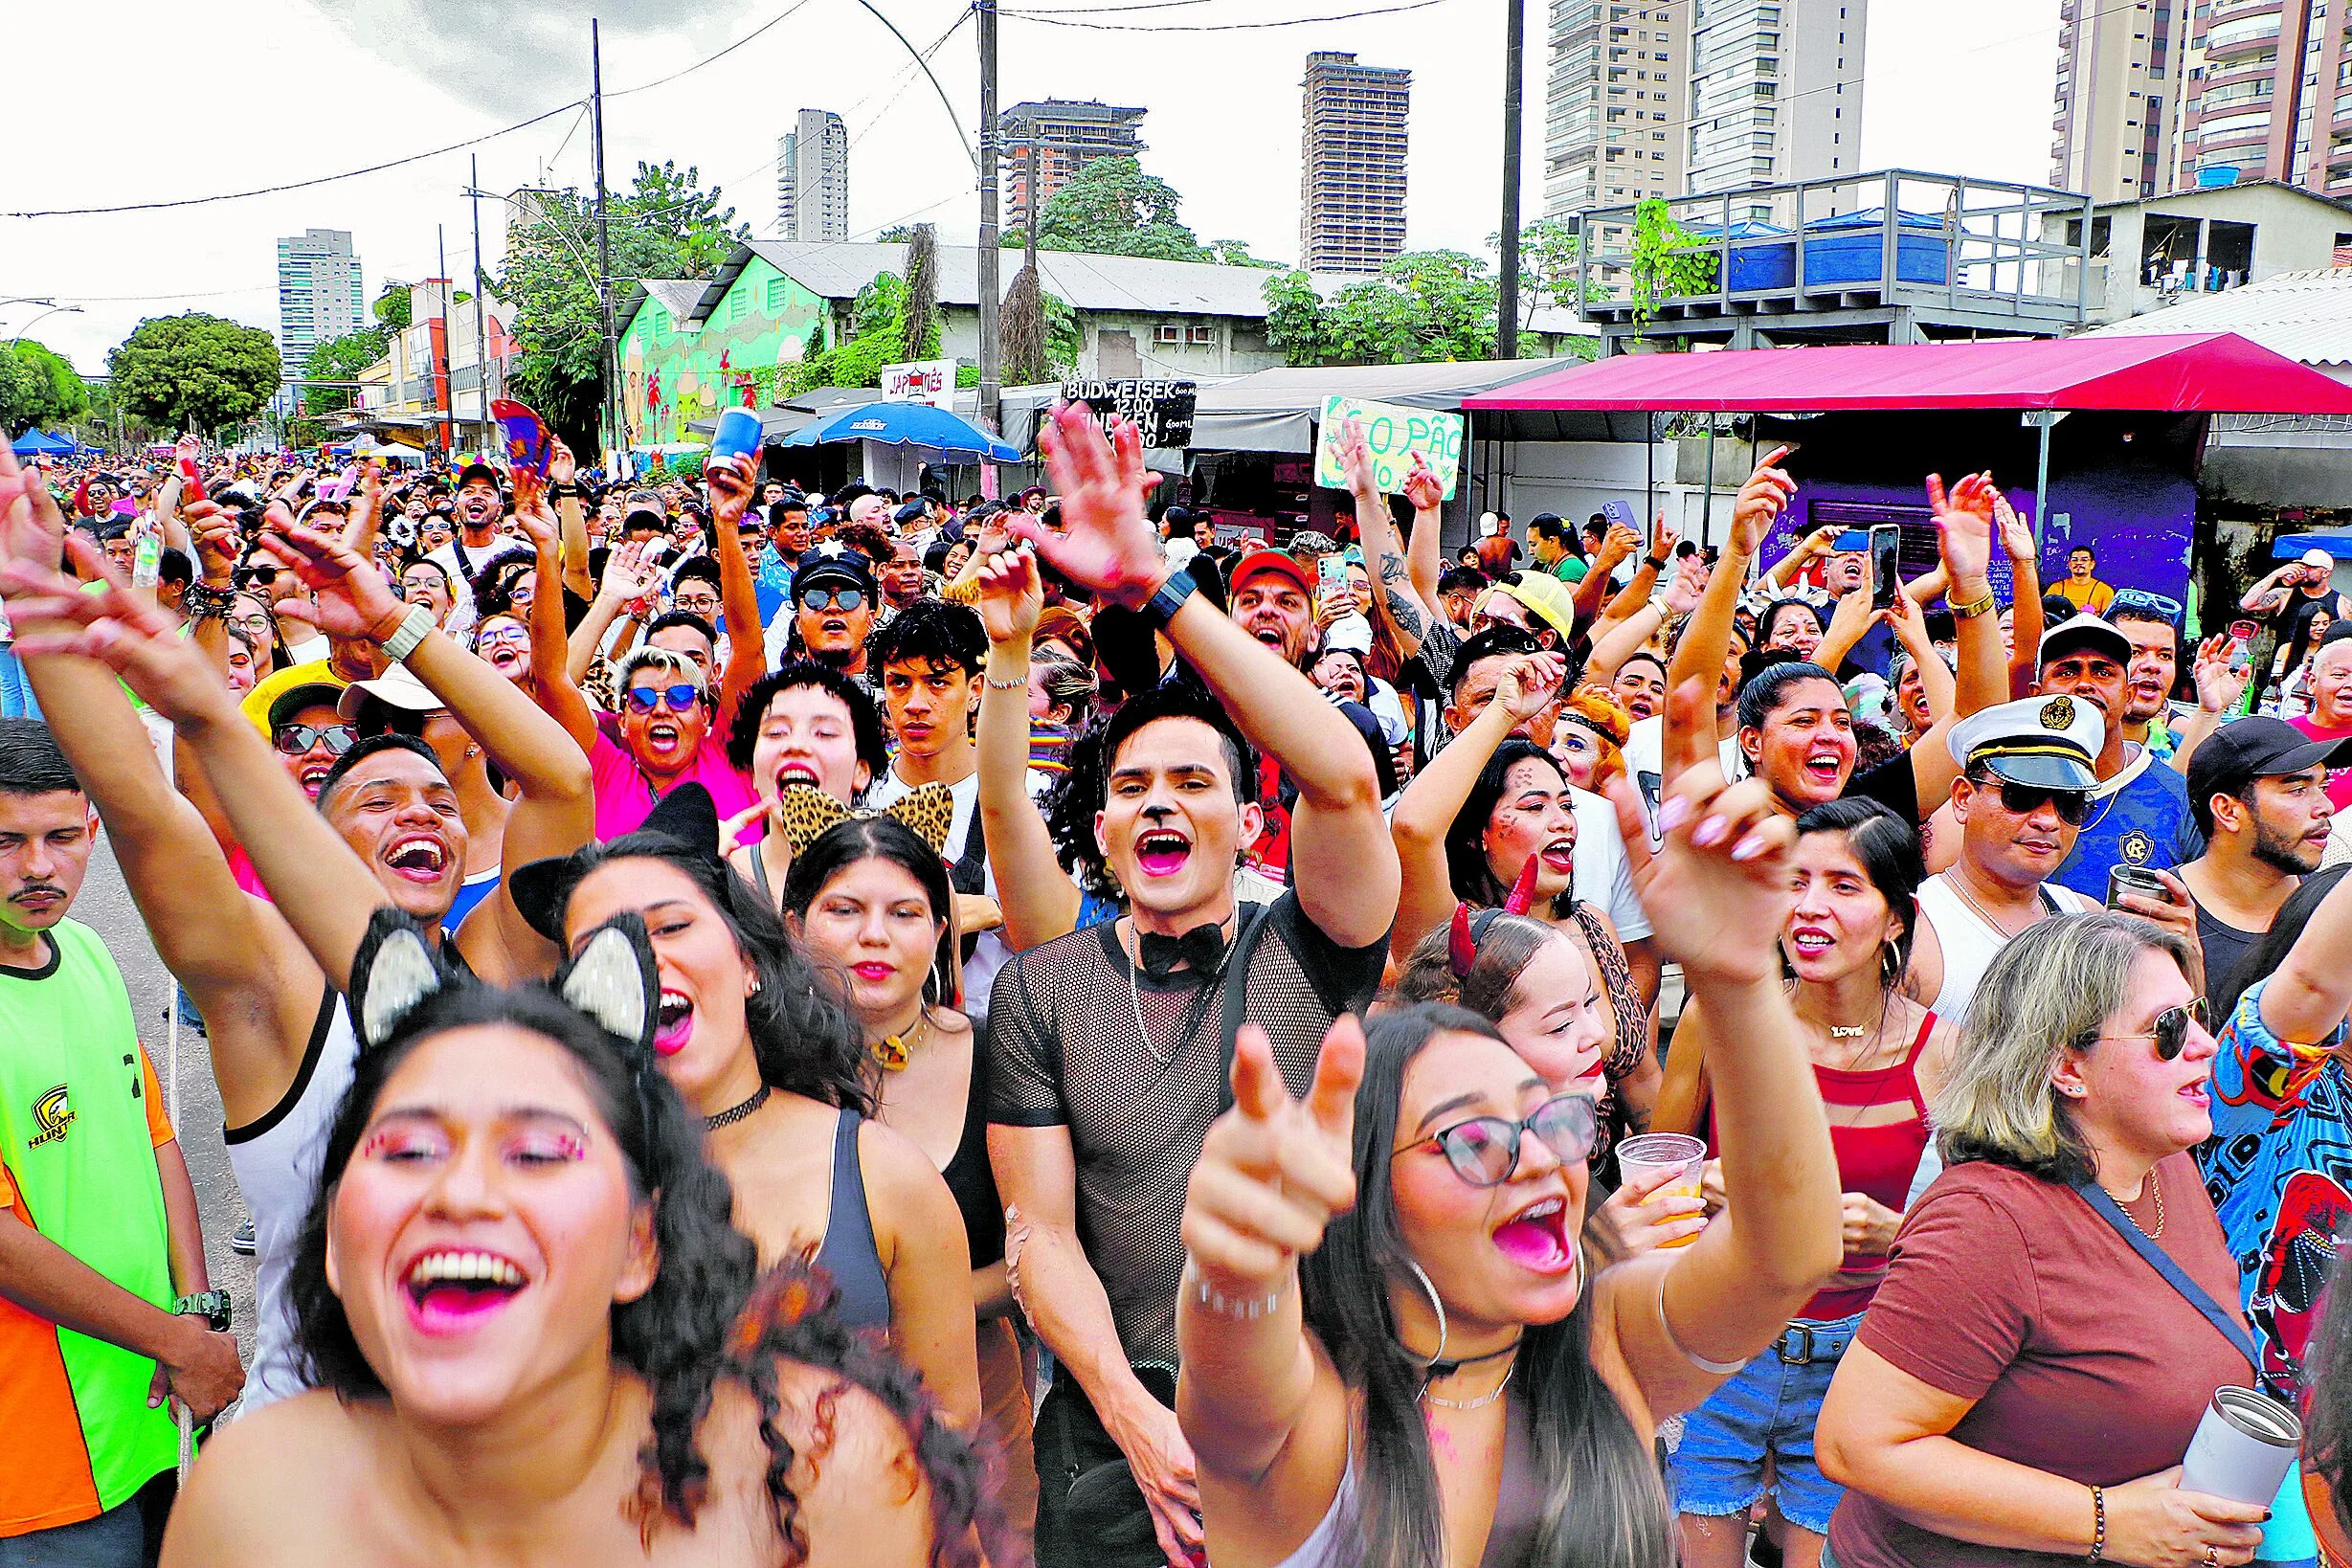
<point>1850,249</point>
<point>2208,179</point>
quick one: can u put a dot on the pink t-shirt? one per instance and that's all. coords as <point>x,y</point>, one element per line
<point>624,800</point>
<point>2339,779</point>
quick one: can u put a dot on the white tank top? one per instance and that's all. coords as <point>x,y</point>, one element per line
<point>1969,941</point>
<point>277,1162</point>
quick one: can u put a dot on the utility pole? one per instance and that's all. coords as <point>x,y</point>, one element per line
<point>482,341</point>
<point>991,293</point>
<point>1028,176</point>
<point>445,395</point>
<point>609,368</point>
<point>1506,312</point>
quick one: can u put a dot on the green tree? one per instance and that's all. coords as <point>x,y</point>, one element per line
<point>392,307</point>
<point>1425,305</point>
<point>664,226</point>
<point>1297,321</point>
<point>194,371</point>
<point>340,359</point>
<point>38,389</point>
<point>1669,260</point>
<point>1235,252</point>
<point>1112,208</point>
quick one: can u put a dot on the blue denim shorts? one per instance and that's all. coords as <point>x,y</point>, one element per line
<point>1766,1408</point>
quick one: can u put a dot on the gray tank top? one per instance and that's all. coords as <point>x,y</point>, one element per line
<point>849,1252</point>
<point>1511,1540</point>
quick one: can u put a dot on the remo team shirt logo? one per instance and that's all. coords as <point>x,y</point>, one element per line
<point>53,1113</point>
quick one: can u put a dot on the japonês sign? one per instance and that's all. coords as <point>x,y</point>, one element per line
<point>1161,410</point>
<point>929,381</point>
<point>1394,433</point>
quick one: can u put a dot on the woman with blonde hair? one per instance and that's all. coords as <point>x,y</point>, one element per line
<point>2060,1305</point>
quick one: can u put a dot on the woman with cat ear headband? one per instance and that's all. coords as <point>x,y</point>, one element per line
<point>761,1049</point>
<point>531,1320</point>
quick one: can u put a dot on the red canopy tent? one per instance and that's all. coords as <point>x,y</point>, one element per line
<point>2200,373</point>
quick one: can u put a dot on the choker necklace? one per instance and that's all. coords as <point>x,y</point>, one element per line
<point>895,1051</point>
<point>736,1113</point>
<point>1432,1371</point>
<point>1479,1404</point>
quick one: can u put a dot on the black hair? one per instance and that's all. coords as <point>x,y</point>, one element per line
<point>1474,880</point>
<point>930,632</point>
<point>802,1034</point>
<point>1642,654</point>
<point>1762,693</point>
<point>174,567</point>
<point>2327,1372</point>
<point>1888,850</point>
<point>1546,525</point>
<point>935,555</point>
<point>32,762</point>
<point>700,568</point>
<point>2140,610</point>
<point>864,721</point>
<point>668,618</point>
<point>1454,579</point>
<point>672,1335</point>
<point>847,843</point>
<point>1769,622</point>
<point>2271,949</point>
<point>1180,698</point>
<point>791,501</point>
<point>371,746</point>
<point>1501,641</point>
<point>1603,1505</point>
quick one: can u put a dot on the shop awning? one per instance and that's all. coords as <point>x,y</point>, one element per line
<point>2204,372</point>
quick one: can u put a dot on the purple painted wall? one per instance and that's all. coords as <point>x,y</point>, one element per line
<point>2123,483</point>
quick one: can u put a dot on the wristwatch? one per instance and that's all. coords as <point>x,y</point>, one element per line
<point>1161,607</point>
<point>212,1305</point>
<point>1974,607</point>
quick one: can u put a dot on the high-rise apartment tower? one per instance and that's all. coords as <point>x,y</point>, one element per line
<point>319,296</point>
<point>811,178</point>
<point>1067,136</point>
<point>1352,163</point>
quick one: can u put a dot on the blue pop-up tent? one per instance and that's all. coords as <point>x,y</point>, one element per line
<point>905,424</point>
<point>33,443</point>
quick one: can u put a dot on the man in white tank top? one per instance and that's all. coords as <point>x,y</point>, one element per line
<point>2023,789</point>
<point>268,976</point>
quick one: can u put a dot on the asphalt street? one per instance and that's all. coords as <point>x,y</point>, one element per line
<point>105,906</point>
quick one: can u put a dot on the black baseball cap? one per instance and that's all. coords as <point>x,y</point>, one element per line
<point>2238,753</point>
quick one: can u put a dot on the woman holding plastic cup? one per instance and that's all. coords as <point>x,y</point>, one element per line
<point>1847,943</point>
<point>2061,1305</point>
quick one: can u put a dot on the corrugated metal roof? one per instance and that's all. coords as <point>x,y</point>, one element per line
<point>838,269</point>
<point>2306,316</point>
<point>675,295</point>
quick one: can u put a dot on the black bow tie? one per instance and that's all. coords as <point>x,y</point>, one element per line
<point>1202,949</point>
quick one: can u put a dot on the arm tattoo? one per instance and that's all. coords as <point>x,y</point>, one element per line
<point>1392,566</point>
<point>1405,611</point>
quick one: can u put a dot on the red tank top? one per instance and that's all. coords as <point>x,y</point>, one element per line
<point>1877,1160</point>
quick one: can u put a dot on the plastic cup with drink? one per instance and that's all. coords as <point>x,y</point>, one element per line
<point>1650,1153</point>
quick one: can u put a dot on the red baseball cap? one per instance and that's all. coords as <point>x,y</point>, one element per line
<point>1272,560</point>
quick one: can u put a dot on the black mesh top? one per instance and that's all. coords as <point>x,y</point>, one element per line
<point>1063,1050</point>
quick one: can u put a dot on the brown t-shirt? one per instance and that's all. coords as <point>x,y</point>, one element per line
<point>2082,1361</point>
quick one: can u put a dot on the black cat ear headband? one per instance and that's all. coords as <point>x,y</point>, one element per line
<point>611,980</point>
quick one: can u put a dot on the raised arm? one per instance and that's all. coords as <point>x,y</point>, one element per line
<point>554,811</point>
<point>747,647</point>
<point>1935,678</point>
<point>551,687</point>
<point>2025,619</point>
<point>2268,594</point>
<point>1718,891</point>
<point>1964,521</point>
<point>1594,585</point>
<point>1707,640</point>
<point>2219,686</point>
<point>1424,814</point>
<point>572,521</point>
<point>1341,860</point>
<point>1272,1174</point>
<point>1810,549</point>
<point>1038,901</point>
<point>1394,601</point>
<point>1423,561</point>
<point>2309,994</point>
<point>1644,582</point>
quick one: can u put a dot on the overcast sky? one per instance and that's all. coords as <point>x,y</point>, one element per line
<point>280,91</point>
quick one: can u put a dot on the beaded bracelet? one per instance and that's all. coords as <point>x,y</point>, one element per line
<point>2099,1524</point>
<point>1238,1309</point>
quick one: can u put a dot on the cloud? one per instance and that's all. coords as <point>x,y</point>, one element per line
<point>509,57</point>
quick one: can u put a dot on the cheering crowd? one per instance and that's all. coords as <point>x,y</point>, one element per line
<point>757,1027</point>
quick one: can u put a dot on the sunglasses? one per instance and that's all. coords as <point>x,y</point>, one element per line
<point>2171,1028</point>
<point>678,699</point>
<point>832,598</point>
<point>294,739</point>
<point>2139,599</point>
<point>2025,799</point>
<point>1484,1150</point>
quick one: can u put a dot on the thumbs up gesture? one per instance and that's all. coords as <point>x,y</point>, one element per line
<point>1273,1170</point>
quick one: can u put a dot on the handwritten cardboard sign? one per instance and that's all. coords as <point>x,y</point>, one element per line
<point>1394,433</point>
<point>1161,410</point>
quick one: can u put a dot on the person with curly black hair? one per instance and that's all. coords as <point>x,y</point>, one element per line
<point>532,1324</point>
<point>808,725</point>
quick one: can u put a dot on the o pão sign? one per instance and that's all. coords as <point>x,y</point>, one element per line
<point>1394,433</point>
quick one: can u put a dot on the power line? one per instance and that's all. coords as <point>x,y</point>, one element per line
<point>663,81</point>
<point>1056,19</point>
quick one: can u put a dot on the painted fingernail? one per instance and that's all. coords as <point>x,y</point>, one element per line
<point>1749,847</point>
<point>1711,831</point>
<point>1673,813</point>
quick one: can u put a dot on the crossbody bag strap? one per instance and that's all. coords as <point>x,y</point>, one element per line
<point>2104,1205</point>
<point>1236,987</point>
